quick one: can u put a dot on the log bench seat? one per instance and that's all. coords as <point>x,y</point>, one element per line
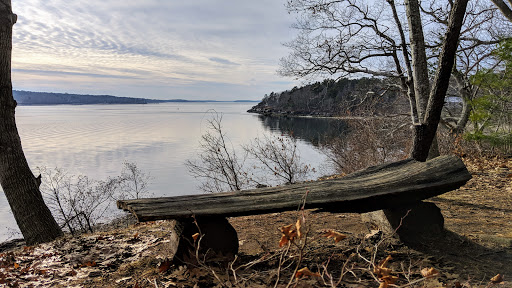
<point>394,187</point>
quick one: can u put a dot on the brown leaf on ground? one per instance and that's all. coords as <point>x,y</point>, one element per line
<point>381,270</point>
<point>333,234</point>
<point>164,266</point>
<point>28,248</point>
<point>429,272</point>
<point>497,279</point>
<point>289,234</point>
<point>390,279</point>
<point>299,227</point>
<point>305,272</point>
<point>89,264</point>
<point>387,280</point>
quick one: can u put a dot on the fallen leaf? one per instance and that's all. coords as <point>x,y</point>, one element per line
<point>164,266</point>
<point>289,234</point>
<point>28,248</point>
<point>306,272</point>
<point>373,234</point>
<point>381,270</point>
<point>16,265</point>
<point>384,263</point>
<point>71,273</point>
<point>284,240</point>
<point>89,264</point>
<point>429,272</point>
<point>497,279</point>
<point>333,234</point>
<point>389,279</point>
<point>299,228</point>
<point>41,272</point>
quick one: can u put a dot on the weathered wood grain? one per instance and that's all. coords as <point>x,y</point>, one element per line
<point>380,187</point>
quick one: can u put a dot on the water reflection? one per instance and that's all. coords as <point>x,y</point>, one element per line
<point>95,140</point>
<point>313,130</point>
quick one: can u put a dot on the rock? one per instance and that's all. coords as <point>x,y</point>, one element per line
<point>219,241</point>
<point>413,224</point>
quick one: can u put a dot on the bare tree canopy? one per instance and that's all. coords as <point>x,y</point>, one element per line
<point>504,8</point>
<point>354,37</point>
<point>337,38</point>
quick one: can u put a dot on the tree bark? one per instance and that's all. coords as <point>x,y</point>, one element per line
<point>419,57</point>
<point>425,133</point>
<point>466,92</point>
<point>388,185</point>
<point>504,8</point>
<point>19,184</point>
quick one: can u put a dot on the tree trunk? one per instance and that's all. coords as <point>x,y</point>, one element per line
<point>19,184</point>
<point>425,133</point>
<point>388,185</point>
<point>504,8</point>
<point>419,57</point>
<point>466,92</point>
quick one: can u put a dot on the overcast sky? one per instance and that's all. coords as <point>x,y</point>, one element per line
<point>161,49</point>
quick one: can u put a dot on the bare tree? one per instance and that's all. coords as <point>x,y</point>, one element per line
<point>80,203</point>
<point>348,37</point>
<point>221,169</point>
<point>218,164</point>
<point>19,184</point>
<point>367,144</point>
<point>77,201</point>
<point>53,182</point>
<point>481,33</point>
<point>279,156</point>
<point>133,182</point>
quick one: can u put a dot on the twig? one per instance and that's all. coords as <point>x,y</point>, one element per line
<point>281,262</point>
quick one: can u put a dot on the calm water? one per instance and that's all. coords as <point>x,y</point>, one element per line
<point>95,140</point>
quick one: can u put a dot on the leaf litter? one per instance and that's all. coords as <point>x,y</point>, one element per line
<point>138,256</point>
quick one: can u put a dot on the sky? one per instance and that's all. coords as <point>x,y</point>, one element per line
<point>158,49</point>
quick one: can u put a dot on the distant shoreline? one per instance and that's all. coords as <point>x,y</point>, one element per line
<point>30,98</point>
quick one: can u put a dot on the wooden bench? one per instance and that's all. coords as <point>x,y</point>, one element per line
<point>394,186</point>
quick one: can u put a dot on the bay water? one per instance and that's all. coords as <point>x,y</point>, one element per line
<point>95,140</point>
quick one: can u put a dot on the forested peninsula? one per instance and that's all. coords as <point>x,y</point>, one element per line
<point>343,97</point>
<point>46,98</point>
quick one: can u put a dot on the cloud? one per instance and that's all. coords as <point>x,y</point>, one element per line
<point>156,41</point>
<point>67,73</point>
<point>223,61</point>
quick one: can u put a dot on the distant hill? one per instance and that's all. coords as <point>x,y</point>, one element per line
<point>46,98</point>
<point>344,97</point>
<point>49,98</point>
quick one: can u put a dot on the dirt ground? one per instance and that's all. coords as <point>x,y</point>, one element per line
<point>475,248</point>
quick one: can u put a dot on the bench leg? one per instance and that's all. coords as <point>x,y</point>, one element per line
<point>413,224</point>
<point>216,241</point>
